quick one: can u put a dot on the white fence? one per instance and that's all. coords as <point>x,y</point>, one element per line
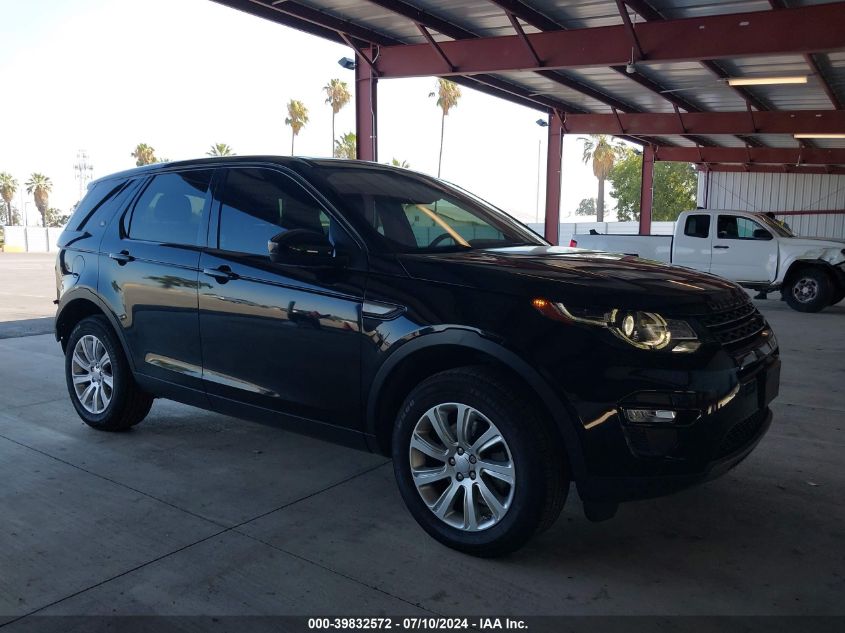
<point>30,239</point>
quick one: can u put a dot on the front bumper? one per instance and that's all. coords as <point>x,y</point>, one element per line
<point>641,461</point>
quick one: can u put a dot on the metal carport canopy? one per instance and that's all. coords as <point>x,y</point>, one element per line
<point>651,71</point>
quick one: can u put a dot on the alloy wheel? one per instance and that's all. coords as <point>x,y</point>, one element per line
<point>805,289</point>
<point>91,369</point>
<point>462,467</point>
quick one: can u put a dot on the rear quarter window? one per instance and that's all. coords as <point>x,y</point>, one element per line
<point>98,194</point>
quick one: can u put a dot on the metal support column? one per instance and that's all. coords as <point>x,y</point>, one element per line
<point>366,119</point>
<point>554,154</point>
<point>647,190</point>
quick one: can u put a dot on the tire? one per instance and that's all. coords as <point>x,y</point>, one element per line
<point>809,290</point>
<point>838,294</point>
<point>492,405</point>
<point>93,358</point>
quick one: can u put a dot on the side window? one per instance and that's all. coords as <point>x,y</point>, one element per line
<point>172,209</point>
<point>257,204</point>
<point>697,226</point>
<point>732,227</point>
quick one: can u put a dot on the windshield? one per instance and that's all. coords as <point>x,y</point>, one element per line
<point>780,228</point>
<point>408,212</point>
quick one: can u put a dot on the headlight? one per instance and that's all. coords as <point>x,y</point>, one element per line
<point>643,330</point>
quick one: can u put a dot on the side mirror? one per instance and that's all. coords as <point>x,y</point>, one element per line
<point>301,246</point>
<point>762,234</point>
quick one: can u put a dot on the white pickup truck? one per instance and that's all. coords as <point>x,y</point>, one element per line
<point>748,248</point>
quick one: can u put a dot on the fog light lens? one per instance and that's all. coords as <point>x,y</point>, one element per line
<point>650,416</point>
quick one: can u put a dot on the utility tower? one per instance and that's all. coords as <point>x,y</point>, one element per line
<point>84,171</point>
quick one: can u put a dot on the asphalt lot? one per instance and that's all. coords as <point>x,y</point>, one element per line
<point>194,513</point>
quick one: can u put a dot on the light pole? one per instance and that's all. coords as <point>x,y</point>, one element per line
<point>542,123</point>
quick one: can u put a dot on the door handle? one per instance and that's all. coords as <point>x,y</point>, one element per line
<point>721,247</point>
<point>221,274</point>
<point>122,257</point>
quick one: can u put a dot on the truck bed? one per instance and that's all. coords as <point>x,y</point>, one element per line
<point>654,247</point>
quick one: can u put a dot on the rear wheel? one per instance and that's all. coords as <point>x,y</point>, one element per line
<point>477,467</point>
<point>99,380</point>
<point>809,290</point>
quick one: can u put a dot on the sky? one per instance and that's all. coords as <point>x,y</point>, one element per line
<point>105,75</point>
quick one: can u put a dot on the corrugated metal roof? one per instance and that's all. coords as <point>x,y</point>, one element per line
<point>691,85</point>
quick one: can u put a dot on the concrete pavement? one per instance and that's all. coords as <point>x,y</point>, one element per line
<point>193,513</point>
<point>27,291</point>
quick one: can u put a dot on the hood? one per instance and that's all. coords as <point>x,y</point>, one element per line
<point>579,276</point>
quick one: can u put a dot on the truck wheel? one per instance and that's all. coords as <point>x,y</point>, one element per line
<point>99,380</point>
<point>476,465</point>
<point>837,295</point>
<point>809,290</point>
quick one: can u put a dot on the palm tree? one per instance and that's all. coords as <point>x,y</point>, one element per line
<point>296,119</point>
<point>448,94</point>
<point>400,163</point>
<point>8,187</point>
<point>144,155</point>
<point>40,187</point>
<point>601,150</point>
<point>346,146</point>
<point>220,149</point>
<point>337,96</point>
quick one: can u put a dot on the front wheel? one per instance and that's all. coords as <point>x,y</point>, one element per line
<point>809,290</point>
<point>477,467</point>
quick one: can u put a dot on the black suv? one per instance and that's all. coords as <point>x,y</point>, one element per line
<point>392,312</point>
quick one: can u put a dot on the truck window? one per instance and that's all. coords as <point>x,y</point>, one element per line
<point>697,226</point>
<point>732,227</point>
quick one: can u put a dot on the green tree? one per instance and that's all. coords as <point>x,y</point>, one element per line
<point>220,149</point>
<point>448,93</point>
<point>337,96</point>
<point>674,187</point>
<point>144,155</point>
<point>600,150</point>
<point>587,206</point>
<point>54,218</point>
<point>346,146</point>
<point>40,187</point>
<point>296,119</point>
<point>400,163</point>
<point>8,187</point>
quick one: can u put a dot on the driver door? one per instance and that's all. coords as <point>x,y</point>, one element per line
<point>278,336</point>
<point>743,250</point>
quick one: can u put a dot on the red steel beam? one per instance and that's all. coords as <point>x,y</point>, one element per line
<point>749,155</point>
<point>554,161</point>
<point>775,169</point>
<point>769,122</point>
<point>647,190</point>
<point>801,30</point>
<point>366,112</point>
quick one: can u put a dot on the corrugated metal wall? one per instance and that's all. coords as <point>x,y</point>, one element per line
<point>781,192</point>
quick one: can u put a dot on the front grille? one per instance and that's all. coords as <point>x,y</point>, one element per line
<point>740,434</point>
<point>735,326</point>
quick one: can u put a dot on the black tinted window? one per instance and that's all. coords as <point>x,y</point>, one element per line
<point>97,194</point>
<point>172,209</point>
<point>697,226</point>
<point>260,203</point>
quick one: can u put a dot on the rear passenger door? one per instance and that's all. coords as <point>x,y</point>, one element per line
<point>692,248</point>
<point>150,269</point>
<point>283,337</point>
